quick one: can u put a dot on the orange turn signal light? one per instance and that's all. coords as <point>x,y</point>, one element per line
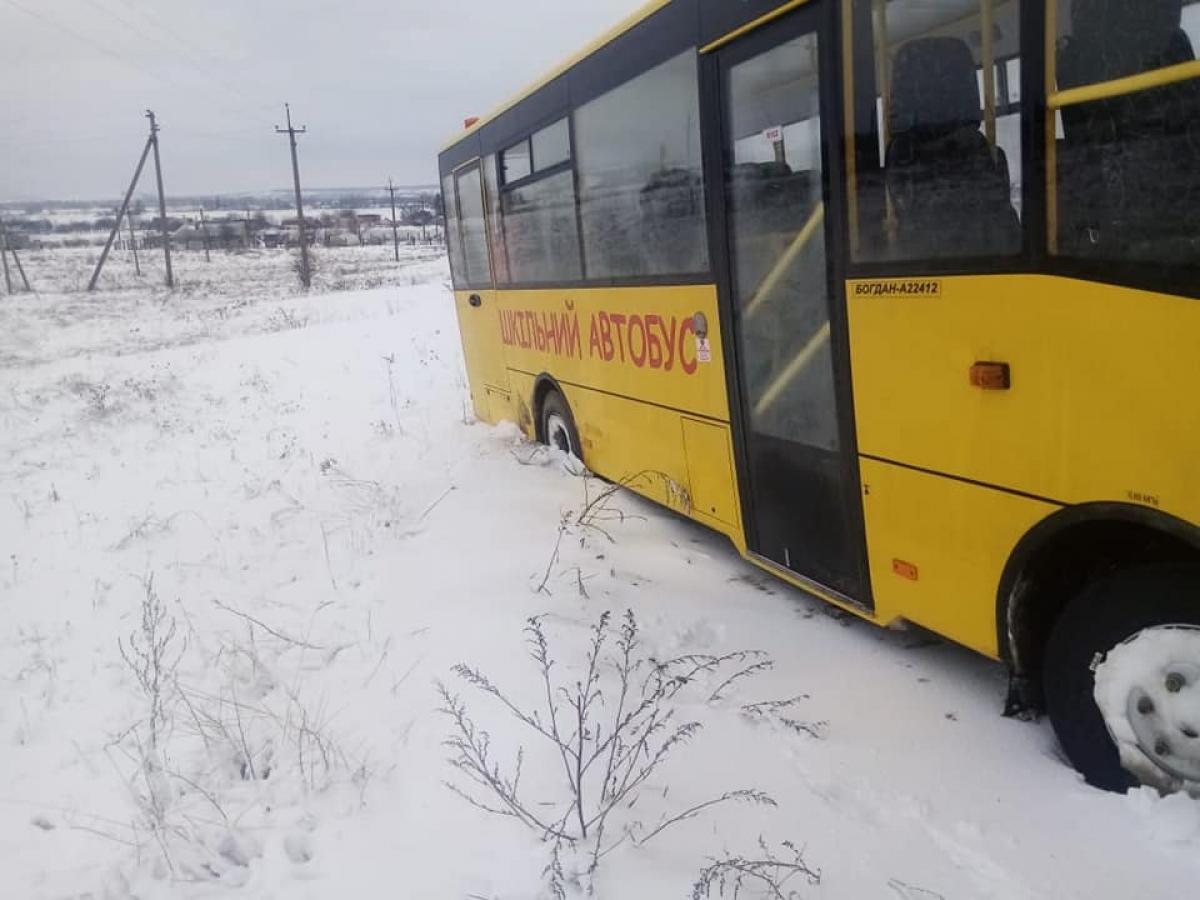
<point>905,569</point>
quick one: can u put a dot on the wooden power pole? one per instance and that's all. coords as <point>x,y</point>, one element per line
<point>204,235</point>
<point>395,227</point>
<point>137,173</point>
<point>4,258</point>
<point>5,249</point>
<point>162,200</point>
<point>137,265</point>
<point>305,270</point>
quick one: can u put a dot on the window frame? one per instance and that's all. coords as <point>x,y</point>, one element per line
<point>457,273</point>
<point>505,187</point>
<point>568,120</point>
<point>455,176</point>
<point>501,169</point>
<point>865,145</point>
<point>1174,279</point>
<point>592,78</point>
<point>710,272</point>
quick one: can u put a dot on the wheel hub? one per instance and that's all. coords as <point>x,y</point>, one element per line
<point>1148,690</point>
<point>557,434</point>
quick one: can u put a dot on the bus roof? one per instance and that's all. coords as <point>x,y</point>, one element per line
<point>612,34</point>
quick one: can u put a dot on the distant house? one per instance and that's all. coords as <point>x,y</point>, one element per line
<point>155,224</point>
<point>291,232</point>
<point>380,235</point>
<point>338,237</point>
<point>217,234</point>
<point>189,237</point>
<point>272,238</point>
<point>369,220</point>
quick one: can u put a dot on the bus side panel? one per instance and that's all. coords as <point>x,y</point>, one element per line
<point>479,328</point>
<point>520,405</point>
<point>937,548</point>
<point>640,343</point>
<point>1102,401</point>
<point>643,446</point>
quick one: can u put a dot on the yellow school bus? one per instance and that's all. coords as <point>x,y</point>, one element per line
<point>902,297</point>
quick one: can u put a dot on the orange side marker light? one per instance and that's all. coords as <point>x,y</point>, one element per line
<point>905,569</point>
<point>991,376</point>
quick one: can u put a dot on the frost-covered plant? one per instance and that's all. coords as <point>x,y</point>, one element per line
<point>286,320</point>
<point>608,730</point>
<point>218,737</point>
<point>731,877</point>
<point>598,513</point>
<point>152,652</point>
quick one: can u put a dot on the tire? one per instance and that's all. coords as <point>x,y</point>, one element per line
<point>1107,613</point>
<point>558,425</point>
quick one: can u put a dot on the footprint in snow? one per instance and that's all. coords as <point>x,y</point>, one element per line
<point>298,847</point>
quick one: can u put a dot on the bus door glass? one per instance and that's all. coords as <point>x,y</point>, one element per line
<point>802,505</point>
<point>478,314</point>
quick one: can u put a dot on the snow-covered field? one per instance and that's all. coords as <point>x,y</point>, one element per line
<point>286,497</point>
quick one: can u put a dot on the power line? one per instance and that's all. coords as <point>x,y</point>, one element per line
<point>156,76</point>
<point>153,19</point>
<point>54,23</point>
<point>205,69</point>
<point>202,135</point>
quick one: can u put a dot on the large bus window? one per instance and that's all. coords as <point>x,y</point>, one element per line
<point>453,238</point>
<point>1128,173</point>
<point>942,175</point>
<point>478,270</point>
<point>540,231</point>
<point>640,179</point>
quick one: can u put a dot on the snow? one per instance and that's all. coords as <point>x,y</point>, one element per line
<point>298,480</point>
<point>1137,672</point>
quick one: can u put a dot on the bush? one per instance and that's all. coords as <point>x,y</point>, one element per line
<point>606,732</point>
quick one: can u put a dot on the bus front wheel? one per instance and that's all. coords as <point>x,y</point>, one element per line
<point>1122,679</point>
<point>558,425</point>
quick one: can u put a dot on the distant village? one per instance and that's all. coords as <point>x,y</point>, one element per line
<point>360,221</point>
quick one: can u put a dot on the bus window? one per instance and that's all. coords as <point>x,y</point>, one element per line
<point>1128,174</point>
<point>516,163</point>
<point>777,216</point>
<point>540,230</point>
<point>640,186</point>
<point>453,238</point>
<point>478,269</point>
<point>551,146</point>
<point>491,186</point>
<point>942,175</point>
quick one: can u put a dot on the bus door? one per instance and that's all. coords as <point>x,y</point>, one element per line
<point>478,313</point>
<point>800,487</point>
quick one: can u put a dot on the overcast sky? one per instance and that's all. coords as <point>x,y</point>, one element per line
<point>380,83</point>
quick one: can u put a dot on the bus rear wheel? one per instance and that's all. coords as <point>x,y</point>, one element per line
<point>558,425</point>
<point>1122,679</point>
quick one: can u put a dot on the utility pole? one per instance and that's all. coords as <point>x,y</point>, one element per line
<point>137,266</point>
<point>395,227</point>
<point>305,271</point>
<point>4,256</point>
<point>162,200</point>
<point>121,212</point>
<point>204,235</point>
<point>20,268</point>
